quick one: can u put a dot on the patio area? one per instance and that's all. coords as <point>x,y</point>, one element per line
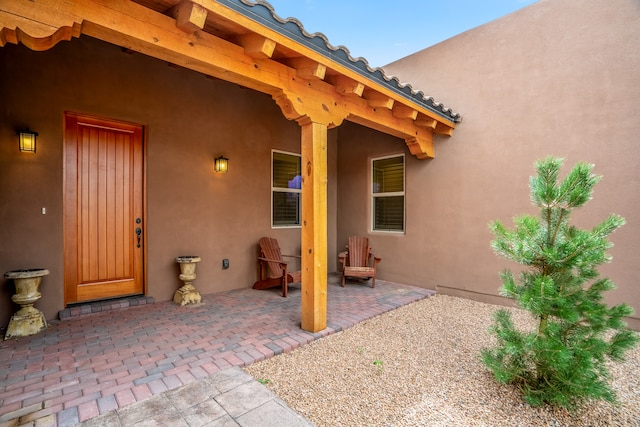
<point>91,365</point>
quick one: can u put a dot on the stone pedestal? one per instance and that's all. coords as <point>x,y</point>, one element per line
<point>28,320</point>
<point>187,294</point>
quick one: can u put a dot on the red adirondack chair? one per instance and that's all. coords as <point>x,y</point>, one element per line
<point>357,260</point>
<point>272,268</point>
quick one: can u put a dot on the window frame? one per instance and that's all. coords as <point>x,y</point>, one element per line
<point>373,195</point>
<point>275,189</point>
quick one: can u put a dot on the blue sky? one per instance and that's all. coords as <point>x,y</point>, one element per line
<point>383,31</point>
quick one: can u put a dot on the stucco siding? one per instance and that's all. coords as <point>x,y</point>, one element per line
<point>189,119</point>
<point>556,78</point>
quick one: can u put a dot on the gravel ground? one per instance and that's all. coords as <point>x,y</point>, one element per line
<point>419,366</point>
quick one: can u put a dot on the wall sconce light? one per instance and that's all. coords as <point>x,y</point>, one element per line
<point>27,141</point>
<point>221,164</point>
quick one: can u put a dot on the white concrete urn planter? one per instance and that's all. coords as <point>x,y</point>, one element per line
<point>28,320</point>
<point>187,294</point>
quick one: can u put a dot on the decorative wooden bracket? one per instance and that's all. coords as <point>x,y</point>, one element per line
<point>38,37</point>
<point>304,109</point>
<point>421,148</point>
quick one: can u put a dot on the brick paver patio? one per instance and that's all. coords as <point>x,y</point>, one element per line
<point>87,366</point>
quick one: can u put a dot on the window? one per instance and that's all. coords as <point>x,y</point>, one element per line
<point>387,194</point>
<point>286,188</point>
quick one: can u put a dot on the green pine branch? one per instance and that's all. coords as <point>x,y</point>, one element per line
<point>562,362</point>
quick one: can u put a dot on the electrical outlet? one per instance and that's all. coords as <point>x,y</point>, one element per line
<point>225,264</point>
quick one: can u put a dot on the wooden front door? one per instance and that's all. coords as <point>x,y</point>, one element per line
<point>103,202</point>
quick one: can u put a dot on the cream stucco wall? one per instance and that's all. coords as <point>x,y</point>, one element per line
<point>560,78</point>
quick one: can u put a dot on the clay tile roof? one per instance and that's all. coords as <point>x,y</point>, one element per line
<point>264,13</point>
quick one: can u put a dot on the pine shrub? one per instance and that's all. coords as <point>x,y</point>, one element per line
<point>563,361</point>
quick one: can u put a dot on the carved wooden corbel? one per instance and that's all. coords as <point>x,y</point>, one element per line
<point>298,107</point>
<point>37,36</point>
<point>421,148</point>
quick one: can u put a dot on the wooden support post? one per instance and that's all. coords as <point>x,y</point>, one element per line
<point>314,226</point>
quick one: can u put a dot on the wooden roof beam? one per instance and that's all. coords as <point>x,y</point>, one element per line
<point>307,68</point>
<point>216,8</point>
<point>137,28</point>
<point>346,86</point>
<point>425,122</point>
<point>384,121</point>
<point>257,46</point>
<point>378,100</point>
<point>319,99</point>
<point>403,112</point>
<point>190,17</point>
<point>433,125</point>
<point>443,129</point>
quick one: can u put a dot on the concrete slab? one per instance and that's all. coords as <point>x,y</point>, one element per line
<point>242,399</point>
<point>274,413</point>
<point>229,379</point>
<point>154,409</point>
<point>192,394</point>
<point>203,414</point>
<point>108,420</point>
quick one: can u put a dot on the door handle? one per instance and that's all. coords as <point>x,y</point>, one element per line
<point>139,234</point>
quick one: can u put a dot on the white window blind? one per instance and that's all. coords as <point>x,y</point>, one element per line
<point>388,194</point>
<point>286,188</point>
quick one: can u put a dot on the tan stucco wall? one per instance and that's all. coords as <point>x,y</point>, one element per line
<point>356,148</point>
<point>189,119</point>
<point>560,78</point>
